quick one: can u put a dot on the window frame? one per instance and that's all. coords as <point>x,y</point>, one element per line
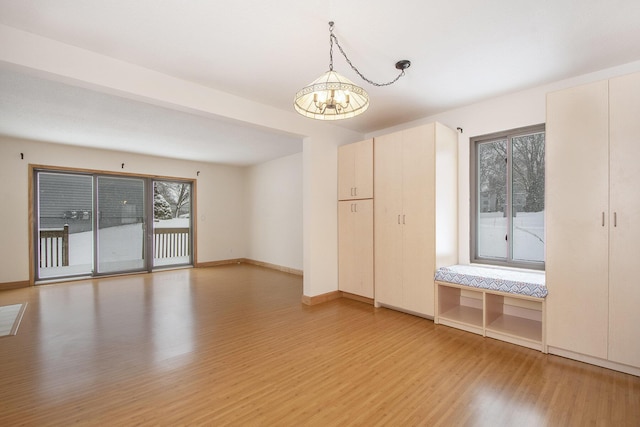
<point>473,212</point>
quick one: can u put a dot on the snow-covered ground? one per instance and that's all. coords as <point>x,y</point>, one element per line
<point>528,236</point>
<point>120,249</point>
<point>172,223</point>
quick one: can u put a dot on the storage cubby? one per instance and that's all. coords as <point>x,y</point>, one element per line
<point>460,308</point>
<point>515,320</point>
<point>518,319</point>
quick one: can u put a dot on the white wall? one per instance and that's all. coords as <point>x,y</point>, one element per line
<point>274,212</point>
<point>502,113</point>
<point>220,226</point>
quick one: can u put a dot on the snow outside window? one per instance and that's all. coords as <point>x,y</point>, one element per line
<point>507,209</point>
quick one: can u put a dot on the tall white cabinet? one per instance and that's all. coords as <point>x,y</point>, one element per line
<point>577,175</point>
<point>624,206</point>
<point>415,211</point>
<point>593,220</point>
<point>355,219</point>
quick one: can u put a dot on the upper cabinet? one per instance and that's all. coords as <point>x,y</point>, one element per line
<point>355,171</point>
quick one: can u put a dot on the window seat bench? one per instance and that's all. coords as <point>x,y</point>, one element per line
<point>494,302</point>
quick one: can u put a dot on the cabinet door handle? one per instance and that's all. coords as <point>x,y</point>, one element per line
<point>615,219</point>
<point>603,219</point>
<point>355,207</point>
<point>355,191</point>
<point>398,219</point>
<point>403,217</point>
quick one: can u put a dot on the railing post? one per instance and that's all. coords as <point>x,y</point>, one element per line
<point>65,245</point>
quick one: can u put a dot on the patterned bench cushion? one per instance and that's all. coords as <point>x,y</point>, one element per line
<point>495,279</point>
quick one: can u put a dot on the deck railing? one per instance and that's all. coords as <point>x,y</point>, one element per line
<point>167,243</point>
<point>171,242</point>
<point>54,247</point>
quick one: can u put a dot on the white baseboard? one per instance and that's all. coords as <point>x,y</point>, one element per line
<point>595,361</point>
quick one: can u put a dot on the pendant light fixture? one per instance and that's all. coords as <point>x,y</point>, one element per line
<point>333,96</point>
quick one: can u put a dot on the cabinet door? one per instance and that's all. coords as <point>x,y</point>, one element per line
<point>355,170</point>
<point>346,171</point>
<point>624,265</point>
<point>388,219</point>
<point>418,219</point>
<point>363,249</point>
<point>577,191</point>
<point>355,247</point>
<point>364,170</point>
<point>347,240</point>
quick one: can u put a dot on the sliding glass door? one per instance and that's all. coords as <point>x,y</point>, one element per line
<point>96,224</point>
<point>64,225</point>
<point>120,233</point>
<point>172,237</point>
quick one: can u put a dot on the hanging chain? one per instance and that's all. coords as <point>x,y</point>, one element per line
<point>332,38</point>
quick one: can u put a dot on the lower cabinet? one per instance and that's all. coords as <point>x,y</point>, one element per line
<point>355,247</point>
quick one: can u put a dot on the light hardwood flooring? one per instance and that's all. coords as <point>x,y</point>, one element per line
<point>233,345</point>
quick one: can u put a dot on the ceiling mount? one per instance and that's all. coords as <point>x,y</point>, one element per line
<point>403,64</point>
<point>333,96</point>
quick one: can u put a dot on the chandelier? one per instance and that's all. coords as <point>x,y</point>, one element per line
<point>333,96</point>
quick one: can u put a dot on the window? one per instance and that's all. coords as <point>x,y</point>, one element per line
<point>507,198</point>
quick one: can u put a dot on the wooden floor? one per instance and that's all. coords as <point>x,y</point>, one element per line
<point>233,345</point>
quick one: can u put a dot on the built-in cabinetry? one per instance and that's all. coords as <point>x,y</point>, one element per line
<point>355,247</point>
<point>355,218</point>
<point>517,319</point>
<point>415,214</point>
<point>355,171</point>
<point>593,221</point>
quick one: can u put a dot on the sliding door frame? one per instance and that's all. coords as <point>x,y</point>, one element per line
<point>33,215</point>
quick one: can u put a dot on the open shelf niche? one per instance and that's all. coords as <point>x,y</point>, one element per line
<point>518,319</point>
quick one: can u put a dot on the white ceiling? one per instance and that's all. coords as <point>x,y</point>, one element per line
<point>45,110</point>
<point>462,51</point>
